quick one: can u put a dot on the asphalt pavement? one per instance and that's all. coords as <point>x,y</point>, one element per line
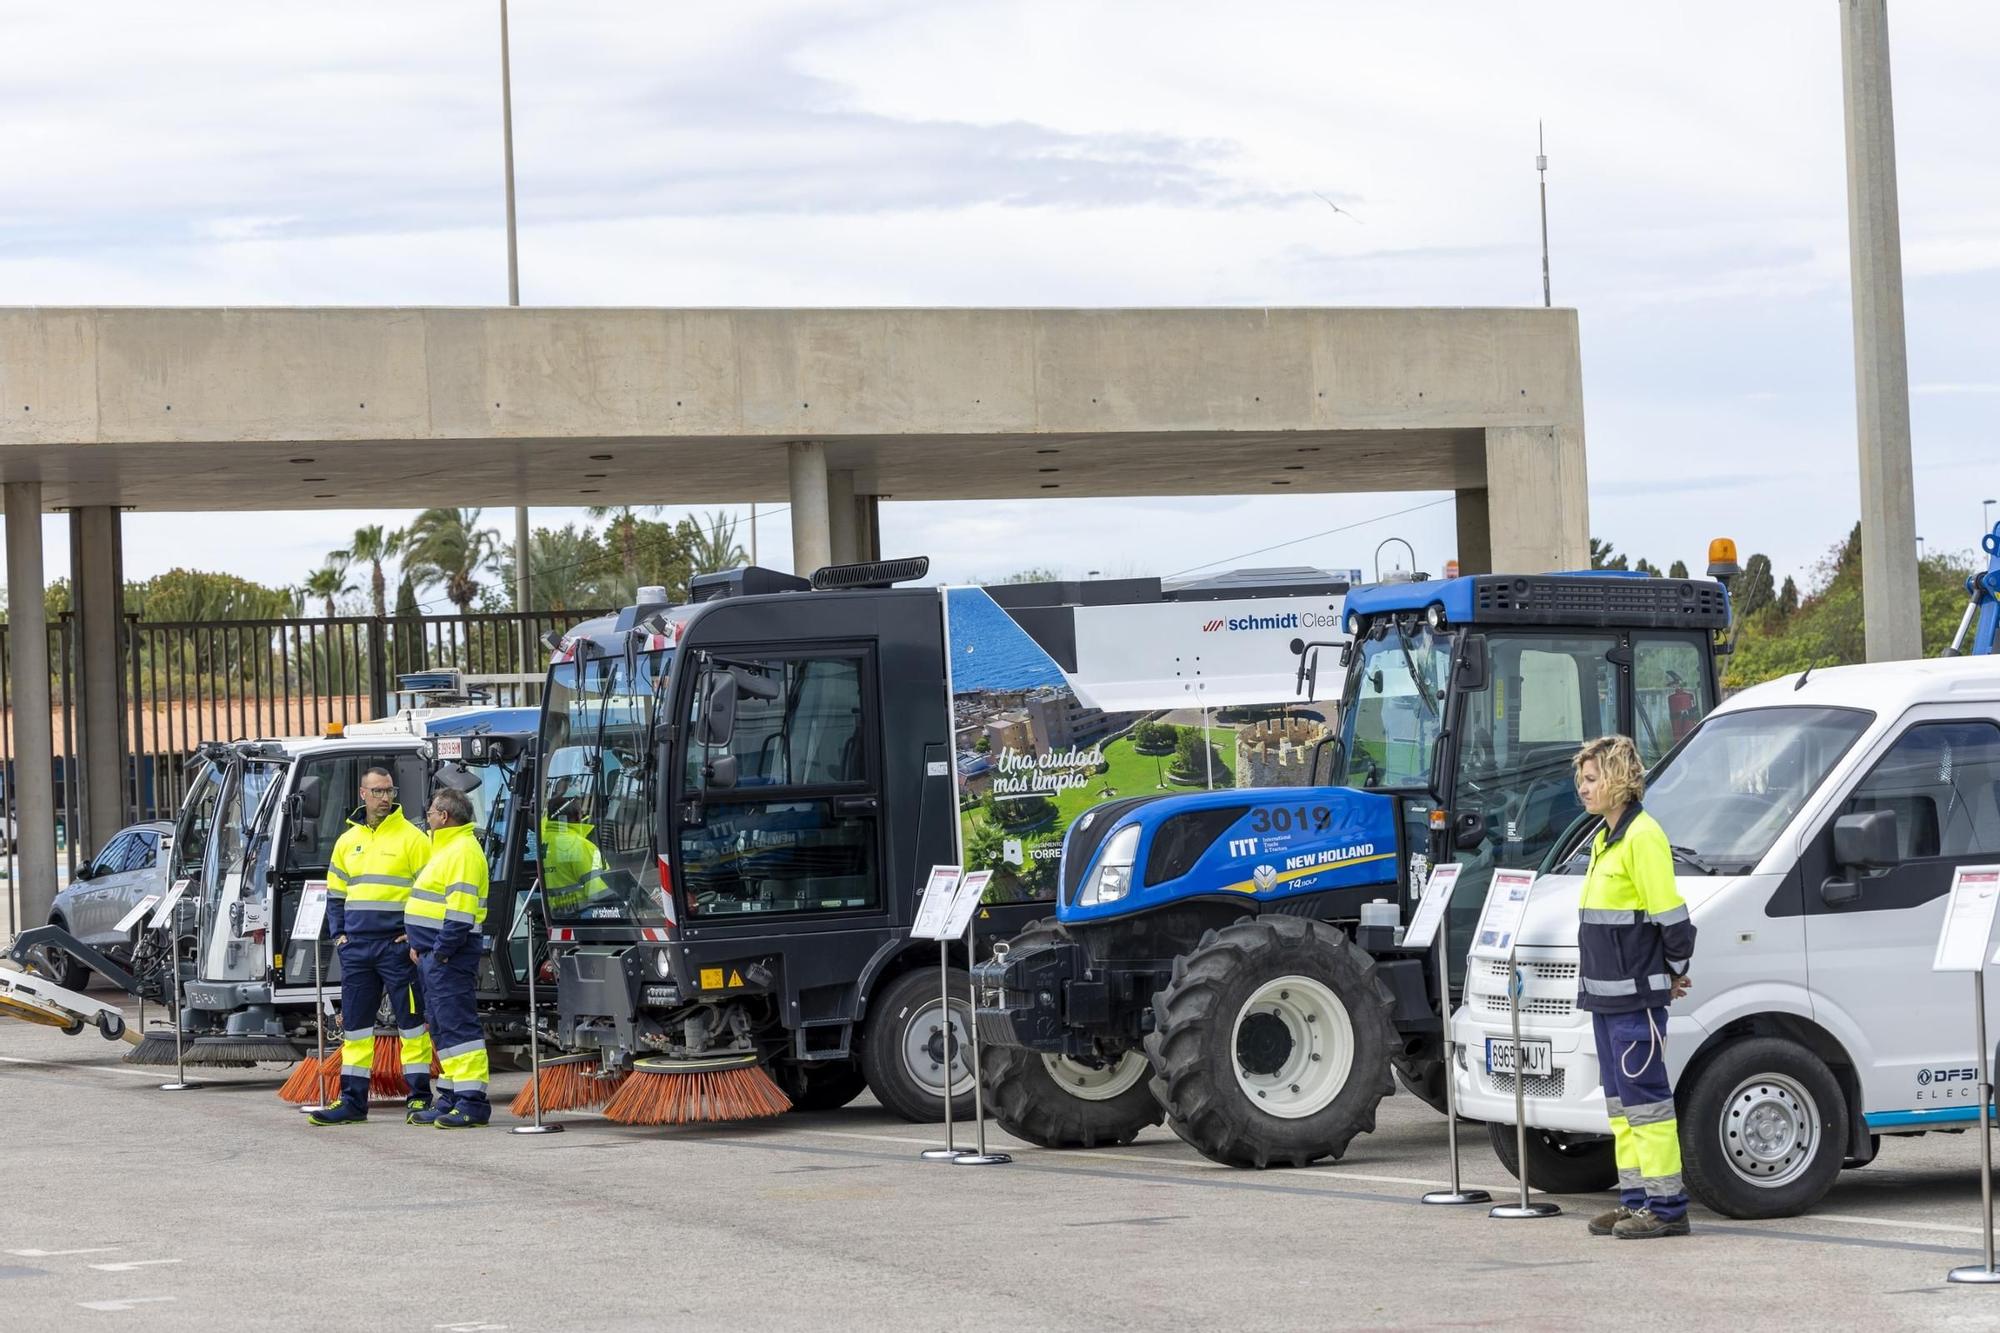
<point>219,1208</point>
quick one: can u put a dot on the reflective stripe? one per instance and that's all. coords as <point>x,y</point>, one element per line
<point>463,1048</point>
<point>1651,1113</point>
<point>1592,986</point>
<point>466,887</point>
<point>1614,1107</point>
<point>427,895</point>
<point>422,1070</point>
<point>1630,1179</point>
<point>393,881</point>
<point>411,1034</point>
<point>455,915</point>
<point>442,1084</point>
<point>1660,981</point>
<point>357,1071</point>
<point>1664,1187</point>
<point>374,904</point>
<point>469,1085</point>
<point>336,890</point>
<point>1610,916</point>
<point>359,1034</point>
<point>1671,915</point>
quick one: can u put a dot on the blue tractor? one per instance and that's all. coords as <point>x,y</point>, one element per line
<point>1228,961</point>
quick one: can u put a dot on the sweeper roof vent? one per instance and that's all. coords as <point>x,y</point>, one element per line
<point>873,574</point>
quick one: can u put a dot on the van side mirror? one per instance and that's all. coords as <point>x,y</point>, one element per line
<point>309,797</point>
<point>718,707</point>
<point>1866,840</point>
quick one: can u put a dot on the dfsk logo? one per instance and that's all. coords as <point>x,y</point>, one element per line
<point>1953,1084</point>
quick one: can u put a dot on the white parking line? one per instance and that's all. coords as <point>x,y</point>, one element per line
<point>130,1265</point>
<point>127,1303</point>
<point>154,1074</point>
<point>51,1254</point>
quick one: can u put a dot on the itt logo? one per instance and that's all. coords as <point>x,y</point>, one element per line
<point>1242,846</point>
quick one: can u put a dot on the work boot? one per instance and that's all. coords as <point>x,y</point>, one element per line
<point>465,1115</point>
<point>1647,1224</point>
<point>1605,1224</point>
<point>340,1113</point>
<point>428,1115</point>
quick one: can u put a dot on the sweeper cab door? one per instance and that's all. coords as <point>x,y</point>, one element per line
<point>297,836</point>
<point>496,772</point>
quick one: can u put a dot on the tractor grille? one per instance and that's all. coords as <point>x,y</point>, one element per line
<point>1538,1085</point>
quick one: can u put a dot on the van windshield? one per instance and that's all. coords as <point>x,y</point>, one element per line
<point>1728,792</point>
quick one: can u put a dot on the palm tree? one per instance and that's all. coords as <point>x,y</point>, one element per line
<point>714,549</point>
<point>565,569</point>
<point>329,581</point>
<point>448,547</point>
<point>375,544</point>
<point>623,532</point>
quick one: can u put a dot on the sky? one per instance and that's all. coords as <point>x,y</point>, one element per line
<point>875,152</point>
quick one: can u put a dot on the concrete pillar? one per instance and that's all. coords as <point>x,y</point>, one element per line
<point>1537,499</point>
<point>840,516</point>
<point>97,582</point>
<point>28,691</point>
<point>1475,533</point>
<point>1890,606</point>
<point>868,526</point>
<point>812,540</point>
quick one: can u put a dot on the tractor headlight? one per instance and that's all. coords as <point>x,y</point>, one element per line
<point>1112,879</point>
<point>663,966</point>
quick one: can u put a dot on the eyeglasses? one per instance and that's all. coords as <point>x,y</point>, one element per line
<point>378,791</point>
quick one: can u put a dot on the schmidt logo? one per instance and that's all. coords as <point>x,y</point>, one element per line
<point>1290,620</point>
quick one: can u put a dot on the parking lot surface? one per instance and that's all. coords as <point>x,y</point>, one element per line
<point>219,1208</point>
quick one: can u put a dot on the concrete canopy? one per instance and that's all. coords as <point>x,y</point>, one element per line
<point>290,408</point>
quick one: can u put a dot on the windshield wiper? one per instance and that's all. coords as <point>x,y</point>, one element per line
<point>1689,856</point>
<point>1416,676</point>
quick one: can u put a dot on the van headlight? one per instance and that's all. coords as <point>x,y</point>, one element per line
<point>1112,879</point>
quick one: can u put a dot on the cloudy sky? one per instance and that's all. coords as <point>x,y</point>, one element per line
<point>868,152</point>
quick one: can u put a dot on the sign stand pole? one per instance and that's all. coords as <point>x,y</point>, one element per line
<point>180,1083</point>
<point>978,1157</point>
<point>1985,1274</point>
<point>950,1152</point>
<point>534,1035</point>
<point>1457,1193</point>
<point>1524,1208</point>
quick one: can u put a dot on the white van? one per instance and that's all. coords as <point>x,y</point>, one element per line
<point>1816,821</point>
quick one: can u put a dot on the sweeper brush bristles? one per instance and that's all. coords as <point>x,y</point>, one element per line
<point>155,1047</point>
<point>660,1094</point>
<point>315,1081</point>
<point>575,1085</point>
<point>385,1071</point>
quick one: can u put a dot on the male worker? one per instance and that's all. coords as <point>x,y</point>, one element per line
<point>367,882</point>
<point>446,911</point>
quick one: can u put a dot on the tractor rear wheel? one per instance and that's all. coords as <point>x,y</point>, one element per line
<point>1058,1101</point>
<point>1271,1043</point>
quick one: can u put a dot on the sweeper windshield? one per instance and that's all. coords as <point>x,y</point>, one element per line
<point>598,866</point>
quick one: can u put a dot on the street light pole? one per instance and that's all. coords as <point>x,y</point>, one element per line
<point>1542,170</point>
<point>1986,515</point>
<point>521,535</point>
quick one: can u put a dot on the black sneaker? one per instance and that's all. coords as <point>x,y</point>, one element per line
<point>1646,1225</point>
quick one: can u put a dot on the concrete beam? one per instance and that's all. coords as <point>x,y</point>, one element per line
<point>306,408</point>
<point>97,590</point>
<point>840,516</point>
<point>812,537</point>
<point>33,750</point>
<point>1892,620</point>
<point>1538,500</point>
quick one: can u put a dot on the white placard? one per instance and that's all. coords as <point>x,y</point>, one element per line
<point>165,911</point>
<point>970,890</point>
<point>131,918</point>
<point>310,919</point>
<point>1430,911</point>
<point>934,912</point>
<point>1500,920</point>
<point>1968,919</point>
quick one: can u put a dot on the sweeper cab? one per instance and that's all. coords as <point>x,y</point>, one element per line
<point>743,795</point>
<point>1228,962</point>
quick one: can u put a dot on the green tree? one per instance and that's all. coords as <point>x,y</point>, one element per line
<point>1755,589</point>
<point>1154,737</point>
<point>1603,556</point>
<point>712,548</point>
<point>566,569</point>
<point>1788,599</point>
<point>328,582</point>
<point>1193,758</point>
<point>1646,567</point>
<point>448,548</point>
<point>371,546</point>
<point>1677,570</point>
<point>189,595</point>
<point>641,553</point>
<point>622,535</point>
<point>406,600</point>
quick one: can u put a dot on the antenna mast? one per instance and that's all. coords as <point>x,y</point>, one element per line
<point>1542,170</point>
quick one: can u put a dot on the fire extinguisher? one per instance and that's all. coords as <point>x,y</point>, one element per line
<point>1681,711</point>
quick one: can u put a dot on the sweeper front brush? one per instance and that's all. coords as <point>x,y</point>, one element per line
<point>680,1092</point>
<point>568,1083</point>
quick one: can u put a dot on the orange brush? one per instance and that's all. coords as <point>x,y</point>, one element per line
<point>573,1083</point>
<point>682,1092</point>
<point>313,1082</point>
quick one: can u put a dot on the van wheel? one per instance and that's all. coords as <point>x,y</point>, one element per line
<point>1763,1129</point>
<point>1558,1163</point>
<point>910,1051</point>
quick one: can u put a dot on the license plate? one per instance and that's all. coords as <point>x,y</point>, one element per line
<point>1538,1056</point>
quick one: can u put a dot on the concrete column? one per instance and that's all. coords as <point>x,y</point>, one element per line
<point>812,540</point>
<point>868,526</point>
<point>1890,607</point>
<point>96,562</point>
<point>1537,499</point>
<point>1475,533</point>
<point>840,516</point>
<point>28,691</point>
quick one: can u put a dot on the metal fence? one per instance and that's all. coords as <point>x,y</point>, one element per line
<point>188,682</point>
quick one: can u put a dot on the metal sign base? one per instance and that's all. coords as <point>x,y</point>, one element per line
<point>1506,1210</point>
<point>1983,1274</point>
<point>944,1154</point>
<point>1456,1193</point>
<point>1974,1274</point>
<point>982,1159</point>
<point>536,1129</point>
<point>177,1087</point>
<point>1457,1196</point>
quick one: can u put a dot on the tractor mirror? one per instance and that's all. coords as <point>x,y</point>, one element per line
<point>718,707</point>
<point>1468,830</point>
<point>1472,667</point>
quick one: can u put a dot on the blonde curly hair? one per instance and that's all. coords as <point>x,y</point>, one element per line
<point>1617,760</point>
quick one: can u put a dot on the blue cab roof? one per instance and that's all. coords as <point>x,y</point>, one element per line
<point>1580,596</point>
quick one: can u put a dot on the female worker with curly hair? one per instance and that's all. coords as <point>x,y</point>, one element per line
<point>1635,941</point>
